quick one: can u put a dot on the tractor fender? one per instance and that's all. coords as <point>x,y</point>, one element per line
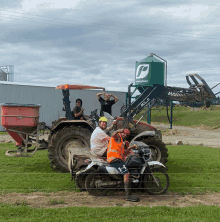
<point>78,123</point>
<point>144,134</point>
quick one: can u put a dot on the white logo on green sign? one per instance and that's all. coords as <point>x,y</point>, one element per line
<point>142,72</point>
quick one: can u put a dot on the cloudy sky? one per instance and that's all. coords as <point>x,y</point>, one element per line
<point>96,42</point>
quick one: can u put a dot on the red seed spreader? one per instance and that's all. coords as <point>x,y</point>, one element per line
<point>21,121</point>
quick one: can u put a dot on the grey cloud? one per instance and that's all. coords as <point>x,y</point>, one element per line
<point>10,4</point>
<point>104,45</point>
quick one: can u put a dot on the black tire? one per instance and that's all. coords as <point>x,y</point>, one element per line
<point>158,148</point>
<point>162,179</point>
<point>80,180</point>
<point>91,186</point>
<point>69,136</point>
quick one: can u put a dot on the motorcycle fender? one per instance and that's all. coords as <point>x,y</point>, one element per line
<point>90,167</point>
<point>146,133</point>
<point>155,164</point>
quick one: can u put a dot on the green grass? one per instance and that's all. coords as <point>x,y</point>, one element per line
<point>24,213</point>
<point>3,133</point>
<point>55,202</point>
<point>29,174</point>
<point>185,117</point>
<point>192,169</point>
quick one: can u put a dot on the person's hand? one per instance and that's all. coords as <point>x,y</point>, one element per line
<point>115,121</point>
<point>126,143</point>
<point>82,109</point>
<point>133,147</point>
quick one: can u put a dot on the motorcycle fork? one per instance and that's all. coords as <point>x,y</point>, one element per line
<point>149,171</point>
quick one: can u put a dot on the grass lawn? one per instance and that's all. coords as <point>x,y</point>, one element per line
<point>183,116</point>
<point>24,213</point>
<point>192,169</point>
<point>29,174</point>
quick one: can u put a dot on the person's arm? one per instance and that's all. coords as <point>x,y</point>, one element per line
<point>99,94</point>
<point>115,98</point>
<point>108,129</point>
<point>79,113</point>
<point>107,138</point>
<point>117,131</point>
<point>129,149</point>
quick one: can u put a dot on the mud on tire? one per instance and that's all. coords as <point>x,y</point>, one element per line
<point>69,136</point>
<point>91,181</point>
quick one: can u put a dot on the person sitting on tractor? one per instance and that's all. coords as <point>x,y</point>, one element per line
<point>99,138</point>
<point>116,154</point>
<point>106,103</point>
<point>78,110</point>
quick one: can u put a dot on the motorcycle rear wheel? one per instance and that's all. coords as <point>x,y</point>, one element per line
<point>80,180</point>
<point>92,181</point>
<point>158,187</point>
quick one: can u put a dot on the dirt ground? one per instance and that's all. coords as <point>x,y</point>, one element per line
<point>78,199</point>
<point>192,136</point>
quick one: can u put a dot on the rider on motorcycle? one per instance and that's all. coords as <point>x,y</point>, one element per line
<point>116,154</point>
<point>99,138</point>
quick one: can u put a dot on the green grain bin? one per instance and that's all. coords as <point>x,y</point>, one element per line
<point>150,71</point>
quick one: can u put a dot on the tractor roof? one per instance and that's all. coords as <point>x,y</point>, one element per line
<point>78,86</point>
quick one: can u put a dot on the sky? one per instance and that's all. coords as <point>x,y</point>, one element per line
<point>97,42</point>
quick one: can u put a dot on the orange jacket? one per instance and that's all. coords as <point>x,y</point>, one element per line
<point>115,150</point>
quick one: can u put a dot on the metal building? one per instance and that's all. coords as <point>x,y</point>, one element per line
<point>51,101</point>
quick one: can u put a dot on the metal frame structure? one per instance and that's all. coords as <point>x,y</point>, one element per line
<point>196,92</point>
<point>29,139</point>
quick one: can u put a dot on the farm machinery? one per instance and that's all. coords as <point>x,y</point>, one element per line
<point>22,122</point>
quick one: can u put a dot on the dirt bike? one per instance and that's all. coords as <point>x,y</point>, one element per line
<point>99,177</point>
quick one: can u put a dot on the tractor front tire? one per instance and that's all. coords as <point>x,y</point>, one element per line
<point>67,137</point>
<point>158,149</point>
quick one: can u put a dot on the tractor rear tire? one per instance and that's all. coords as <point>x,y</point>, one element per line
<point>69,136</point>
<point>158,148</point>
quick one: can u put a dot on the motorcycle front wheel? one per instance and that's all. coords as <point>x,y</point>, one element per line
<point>93,183</point>
<point>157,182</point>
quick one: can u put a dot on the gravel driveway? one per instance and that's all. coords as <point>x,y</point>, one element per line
<point>191,136</point>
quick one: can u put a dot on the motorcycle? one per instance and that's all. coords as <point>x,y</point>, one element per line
<point>99,177</point>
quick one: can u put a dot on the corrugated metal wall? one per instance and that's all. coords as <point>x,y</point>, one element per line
<point>51,100</point>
